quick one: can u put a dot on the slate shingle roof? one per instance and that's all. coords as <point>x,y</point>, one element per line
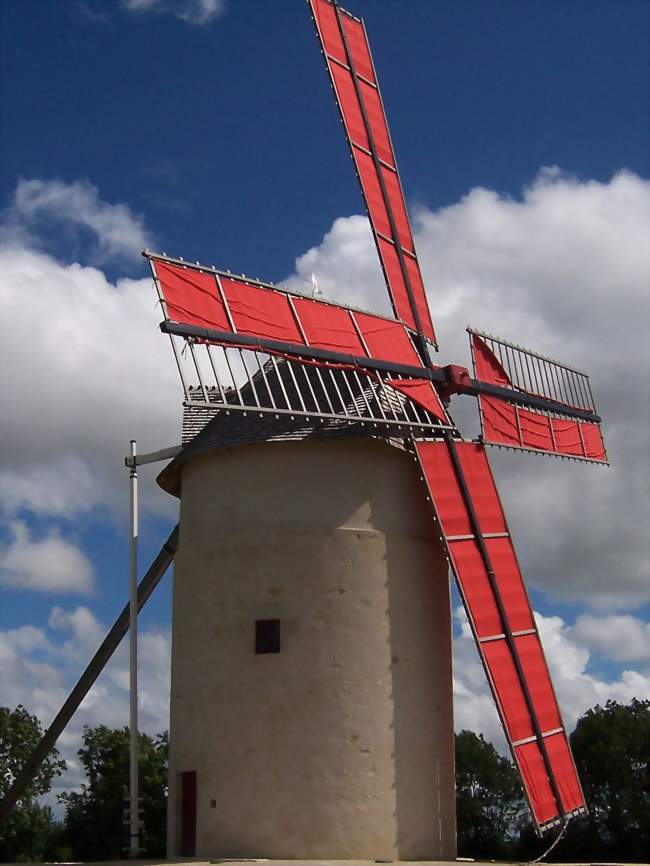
<point>206,428</point>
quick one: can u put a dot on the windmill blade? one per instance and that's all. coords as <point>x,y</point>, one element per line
<point>86,681</point>
<point>482,556</point>
<point>349,62</point>
<point>224,308</point>
<point>550,408</point>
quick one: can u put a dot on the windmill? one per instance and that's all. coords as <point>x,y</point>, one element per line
<point>357,411</point>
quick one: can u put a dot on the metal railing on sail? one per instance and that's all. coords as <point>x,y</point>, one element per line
<point>235,379</point>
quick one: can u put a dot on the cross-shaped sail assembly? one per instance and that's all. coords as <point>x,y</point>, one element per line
<point>253,347</point>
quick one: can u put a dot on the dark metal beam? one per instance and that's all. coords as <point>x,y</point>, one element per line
<point>97,664</point>
<point>451,379</point>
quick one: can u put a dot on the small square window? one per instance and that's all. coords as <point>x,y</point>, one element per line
<point>267,636</point>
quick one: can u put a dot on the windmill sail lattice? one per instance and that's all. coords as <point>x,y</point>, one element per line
<point>254,347</point>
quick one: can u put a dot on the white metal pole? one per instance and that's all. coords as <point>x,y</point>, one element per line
<point>134,822</point>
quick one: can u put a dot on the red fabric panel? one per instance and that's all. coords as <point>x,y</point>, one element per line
<point>567,437</point>
<point>399,294</point>
<point>508,689</point>
<point>510,582</point>
<point>328,28</point>
<point>377,121</point>
<point>443,487</point>
<point>539,682</point>
<point>328,327</point>
<point>535,430</point>
<point>499,421</point>
<point>421,303</point>
<point>555,435</point>
<point>531,765</point>
<point>471,573</point>
<point>398,207</point>
<point>594,445</point>
<point>487,365</point>
<point>472,576</point>
<point>353,117</point>
<point>349,104</point>
<point>446,493</point>
<point>387,340</point>
<point>564,770</point>
<point>421,391</point>
<point>396,283</point>
<point>192,297</point>
<point>485,498</point>
<point>261,312</point>
<point>358,45</point>
<point>372,191</point>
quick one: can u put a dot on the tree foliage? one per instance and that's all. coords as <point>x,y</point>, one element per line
<point>489,798</point>
<point>30,832</point>
<point>94,816</point>
<point>611,746</point>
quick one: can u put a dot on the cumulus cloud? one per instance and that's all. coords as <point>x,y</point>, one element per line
<point>40,665</point>
<point>89,371</point>
<point>570,662</point>
<point>622,638</point>
<point>564,270</point>
<point>49,564</point>
<point>197,12</point>
<point>38,205</point>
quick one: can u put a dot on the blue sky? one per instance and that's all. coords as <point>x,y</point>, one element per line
<point>213,131</point>
<point>208,130</point>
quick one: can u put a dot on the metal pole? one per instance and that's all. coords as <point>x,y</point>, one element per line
<point>134,831</point>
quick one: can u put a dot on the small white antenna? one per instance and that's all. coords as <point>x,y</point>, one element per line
<point>315,289</point>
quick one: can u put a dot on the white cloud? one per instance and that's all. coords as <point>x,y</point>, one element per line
<point>50,564</point>
<point>89,371</point>
<point>118,233</point>
<point>576,686</point>
<point>622,638</point>
<point>196,12</point>
<point>38,667</point>
<point>565,271</point>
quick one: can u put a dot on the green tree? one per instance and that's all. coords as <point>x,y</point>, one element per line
<point>94,816</point>
<point>489,798</point>
<point>611,746</point>
<point>30,832</point>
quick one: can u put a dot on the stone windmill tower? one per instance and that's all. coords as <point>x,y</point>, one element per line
<point>325,493</point>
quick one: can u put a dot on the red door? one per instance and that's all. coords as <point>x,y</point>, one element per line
<point>188,814</point>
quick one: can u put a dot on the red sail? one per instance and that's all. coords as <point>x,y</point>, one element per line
<point>483,559</point>
<point>228,304</point>
<point>345,45</point>
<point>505,423</point>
